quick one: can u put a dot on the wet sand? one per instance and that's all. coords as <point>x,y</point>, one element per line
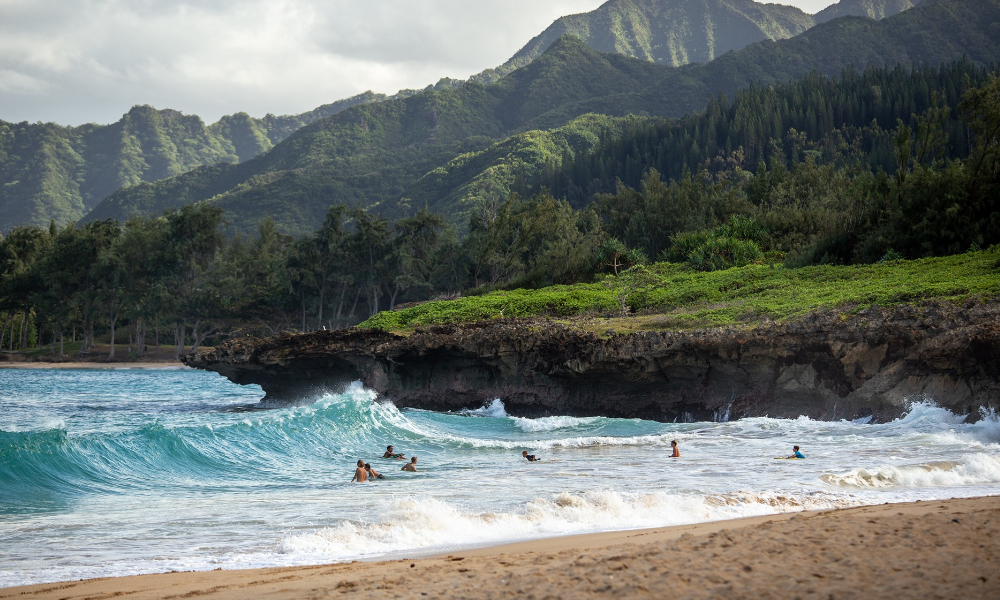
<point>945,549</point>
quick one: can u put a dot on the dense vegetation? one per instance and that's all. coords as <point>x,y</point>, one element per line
<point>389,156</point>
<point>679,298</point>
<point>49,172</point>
<point>179,275</point>
<point>843,121</point>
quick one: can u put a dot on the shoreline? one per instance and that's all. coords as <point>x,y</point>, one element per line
<point>945,548</point>
<point>97,366</point>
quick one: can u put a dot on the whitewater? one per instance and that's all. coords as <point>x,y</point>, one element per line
<point>122,472</point>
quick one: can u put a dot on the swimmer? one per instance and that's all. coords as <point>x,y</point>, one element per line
<point>389,454</point>
<point>410,466</point>
<point>796,453</point>
<point>373,473</point>
<point>677,451</point>
<point>530,457</point>
<point>360,474</point>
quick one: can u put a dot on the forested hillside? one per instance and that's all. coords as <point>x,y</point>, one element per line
<point>843,121</point>
<point>812,200</point>
<point>50,172</point>
<point>449,149</point>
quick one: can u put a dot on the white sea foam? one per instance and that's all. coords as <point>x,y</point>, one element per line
<point>553,423</point>
<point>975,469</point>
<point>495,409</point>
<point>423,523</point>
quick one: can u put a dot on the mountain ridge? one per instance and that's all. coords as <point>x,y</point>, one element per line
<point>54,172</point>
<point>50,172</point>
<point>401,141</point>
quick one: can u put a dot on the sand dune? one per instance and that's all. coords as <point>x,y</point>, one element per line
<point>947,549</point>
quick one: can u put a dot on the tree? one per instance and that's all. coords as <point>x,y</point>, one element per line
<point>634,280</point>
<point>370,246</point>
<point>193,241</point>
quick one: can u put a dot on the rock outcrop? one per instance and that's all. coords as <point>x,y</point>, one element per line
<point>830,365</point>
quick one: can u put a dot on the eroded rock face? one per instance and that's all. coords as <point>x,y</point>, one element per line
<point>832,365</point>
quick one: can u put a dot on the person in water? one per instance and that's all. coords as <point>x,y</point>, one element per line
<point>360,474</point>
<point>373,473</point>
<point>410,466</point>
<point>677,451</point>
<point>530,457</point>
<point>389,454</point>
<point>796,453</point>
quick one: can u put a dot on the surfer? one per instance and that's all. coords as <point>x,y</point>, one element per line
<point>796,453</point>
<point>677,451</point>
<point>410,466</point>
<point>530,457</point>
<point>360,474</point>
<point>373,473</point>
<point>389,454</point>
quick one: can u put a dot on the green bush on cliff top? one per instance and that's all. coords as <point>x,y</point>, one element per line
<point>739,295</point>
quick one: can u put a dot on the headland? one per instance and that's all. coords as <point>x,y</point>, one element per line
<point>829,364</point>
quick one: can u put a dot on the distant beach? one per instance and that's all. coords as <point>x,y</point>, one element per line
<point>94,365</point>
<point>930,549</point>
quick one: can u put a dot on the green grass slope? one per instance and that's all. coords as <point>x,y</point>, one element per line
<point>684,299</point>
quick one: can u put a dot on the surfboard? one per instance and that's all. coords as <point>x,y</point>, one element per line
<point>787,458</point>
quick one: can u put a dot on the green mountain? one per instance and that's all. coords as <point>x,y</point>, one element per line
<point>678,32</point>
<point>873,9</point>
<point>50,172</point>
<point>448,148</point>
<point>673,32</point>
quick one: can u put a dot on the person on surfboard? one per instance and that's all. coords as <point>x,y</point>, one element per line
<point>389,454</point>
<point>677,451</point>
<point>796,453</point>
<point>360,474</point>
<point>530,457</point>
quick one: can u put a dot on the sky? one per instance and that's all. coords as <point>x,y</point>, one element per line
<point>84,61</point>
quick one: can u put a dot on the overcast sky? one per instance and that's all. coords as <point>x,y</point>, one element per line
<point>80,61</point>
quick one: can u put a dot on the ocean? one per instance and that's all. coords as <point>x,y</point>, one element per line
<point>122,472</point>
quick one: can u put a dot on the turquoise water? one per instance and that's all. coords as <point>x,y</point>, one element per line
<point>108,473</point>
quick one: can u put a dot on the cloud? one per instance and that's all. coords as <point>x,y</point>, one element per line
<point>76,61</point>
<point>16,84</point>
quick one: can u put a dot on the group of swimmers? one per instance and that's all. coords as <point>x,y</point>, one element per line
<point>364,472</point>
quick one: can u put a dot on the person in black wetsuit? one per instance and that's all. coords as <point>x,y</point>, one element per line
<point>530,457</point>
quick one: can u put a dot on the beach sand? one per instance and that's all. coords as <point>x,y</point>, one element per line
<point>944,549</point>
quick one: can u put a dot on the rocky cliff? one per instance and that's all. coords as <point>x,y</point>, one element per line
<point>831,365</point>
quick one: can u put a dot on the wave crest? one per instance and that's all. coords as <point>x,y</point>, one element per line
<point>975,469</point>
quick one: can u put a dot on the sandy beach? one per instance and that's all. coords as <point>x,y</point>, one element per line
<point>939,549</point>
